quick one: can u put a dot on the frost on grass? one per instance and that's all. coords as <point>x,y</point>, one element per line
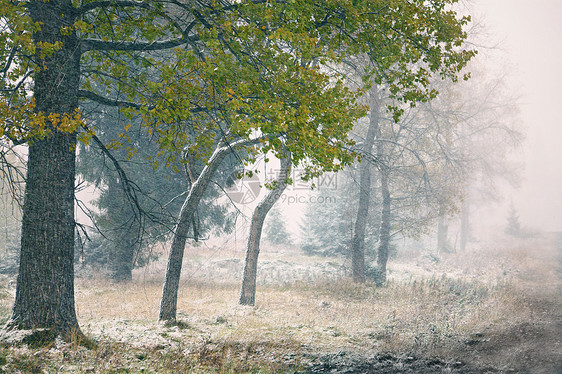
<point>486,308</point>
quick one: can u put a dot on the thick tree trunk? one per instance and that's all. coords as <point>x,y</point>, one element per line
<point>169,301</point>
<point>248,290</point>
<point>45,286</point>
<point>384,235</point>
<point>358,241</point>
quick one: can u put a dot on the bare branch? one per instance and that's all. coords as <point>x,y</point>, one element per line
<point>12,171</point>
<point>9,62</point>
<point>116,4</point>
<point>109,102</point>
<point>124,104</point>
<point>100,45</point>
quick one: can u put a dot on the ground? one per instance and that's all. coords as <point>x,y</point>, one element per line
<point>495,308</point>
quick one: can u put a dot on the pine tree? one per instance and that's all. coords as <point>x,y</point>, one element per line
<point>126,237</point>
<point>276,229</point>
<point>513,225</point>
<point>327,228</point>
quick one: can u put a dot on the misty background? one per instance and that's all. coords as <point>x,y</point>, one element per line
<point>528,36</point>
<point>520,41</point>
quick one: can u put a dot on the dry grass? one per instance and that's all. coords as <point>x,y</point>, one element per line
<point>490,306</point>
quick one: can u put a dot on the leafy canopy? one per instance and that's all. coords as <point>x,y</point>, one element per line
<point>201,71</point>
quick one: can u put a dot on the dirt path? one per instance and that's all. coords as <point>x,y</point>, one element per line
<point>533,346</point>
<point>387,364</point>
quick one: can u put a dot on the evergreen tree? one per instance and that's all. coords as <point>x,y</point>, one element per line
<point>513,225</point>
<point>276,229</point>
<point>327,229</point>
<point>127,233</point>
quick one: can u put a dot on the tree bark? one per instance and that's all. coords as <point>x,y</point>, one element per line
<point>45,285</point>
<point>169,301</point>
<point>384,235</point>
<point>358,241</point>
<point>248,289</point>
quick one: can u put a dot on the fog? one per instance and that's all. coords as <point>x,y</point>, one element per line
<point>528,36</point>
<point>439,252</point>
<point>519,40</point>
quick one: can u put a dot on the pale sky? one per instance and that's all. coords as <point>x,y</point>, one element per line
<point>530,36</point>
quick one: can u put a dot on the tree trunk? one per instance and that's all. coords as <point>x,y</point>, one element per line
<point>45,286</point>
<point>122,232</point>
<point>465,223</point>
<point>358,241</point>
<point>123,262</point>
<point>248,290</point>
<point>442,231</point>
<point>169,301</point>
<point>384,235</point>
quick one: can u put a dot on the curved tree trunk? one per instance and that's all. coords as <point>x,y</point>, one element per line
<point>169,301</point>
<point>45,286</point>
<point>384,235</point>
<point>358,242</point>
<point>248,290</point>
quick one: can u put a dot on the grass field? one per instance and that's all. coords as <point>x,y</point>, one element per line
<point>491,309</point>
